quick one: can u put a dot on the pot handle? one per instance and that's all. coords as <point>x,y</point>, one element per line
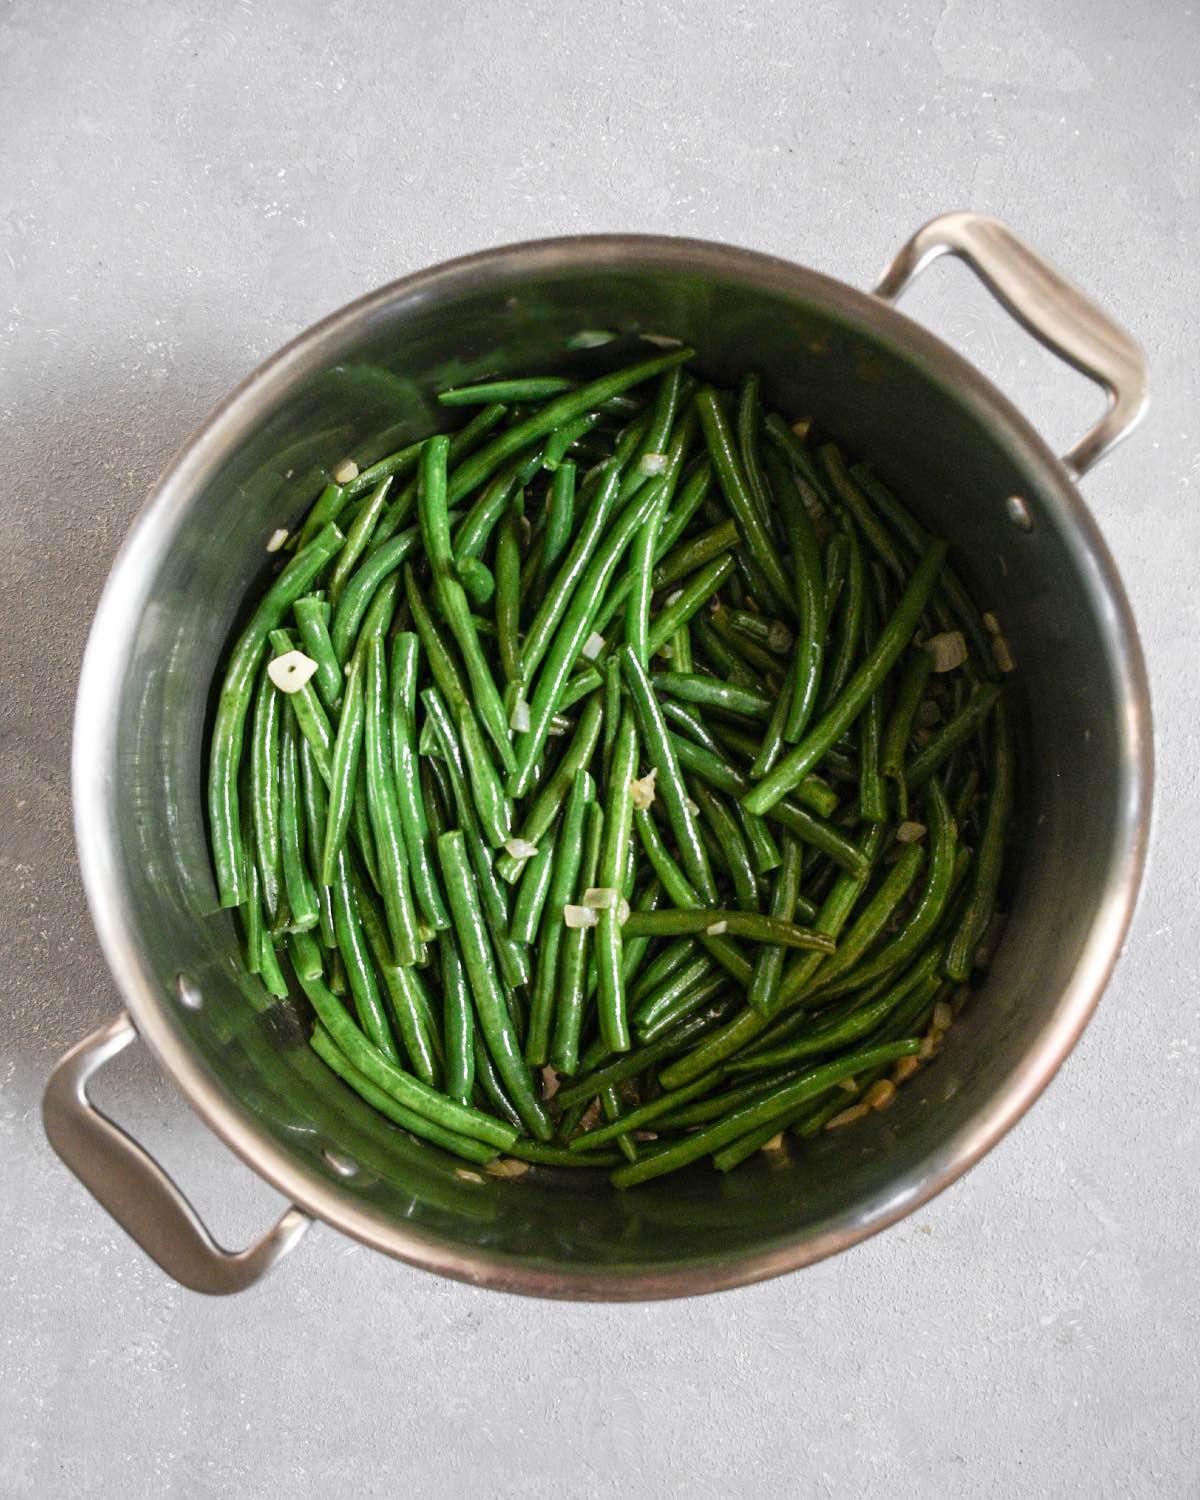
<point>135,1190</point>
<point>1050,307</point>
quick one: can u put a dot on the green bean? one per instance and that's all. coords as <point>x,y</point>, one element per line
<point>560,442</point>
<point>762,665</point>
<point>508,589</point>
<point>749,415</point>
<point>773,634</point>
<point>693,554</point>
<point>671,1012</point>
<point>490,1006</point>
<point>411,1012</point>
<point>414,822</point>
<point>316,809</point>
<point>561,591</point>
<point>696,592</point>
<point>681,891</point>
<point>264,793</point>
<point>360,589</point>
<point>670,784</point>
<point>343,778</point>
<point>753,926</point>
<point>872,798</point>
<point>927,911</point>
<point>311,618</point>
<point>234,703</point>
<point>847,627</point>
<point>654,444</point>
<point>958,603</point>
<point>559,1156</point>
<point>630,1064</point>
<point>251,911</point>
<point>729,844</point>
<point>711,692</point>
<point>564,871</point>
<point>953,733</point>
<point>452,600</point>
<point>739,497</point>
<point>989,861</point>
<point>706,766</point>
<point>512,957</point>
<point>395,1081</point>
<point>358,535</point>
<point>724,662</point>
<point>471,537</point>
<point>641,567</point>
<point>332,1055</point>
<point>711,1106</point>
<point>678,968</point>
<point>842,713</point>
<point>571,635</point>
<point>458,1021</point>
<point>477,579</point>
<point>311,717</point>
<point>532,893</point>
<point>614,1025</point>
<point>572,966</point>
<point>835,565</point>
<point>896,735</point>
<point>611,1104</point>
<point>560,519</point>
<point>352,945</point>
<point>638,1118</point>
<point>554,414</point>
<point>770,1107</point>
<point>545,806</point>
<point>768,966</point>
<point>301,892</point>
<point>527,388</point>
<point>384,809</point>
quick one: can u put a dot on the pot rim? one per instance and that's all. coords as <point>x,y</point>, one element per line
<point>119,612</point>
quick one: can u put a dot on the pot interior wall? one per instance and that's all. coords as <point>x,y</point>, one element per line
<point>819,357</point>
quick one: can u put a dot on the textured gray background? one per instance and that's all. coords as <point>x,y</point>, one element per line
<point>183,187</point>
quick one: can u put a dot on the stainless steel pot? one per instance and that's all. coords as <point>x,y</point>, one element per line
<point>940,432</point>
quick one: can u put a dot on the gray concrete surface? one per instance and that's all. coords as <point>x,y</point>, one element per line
<point>182,188</point>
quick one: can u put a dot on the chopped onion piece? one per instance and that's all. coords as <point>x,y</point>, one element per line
<point>550,1082</point>
<point>345,471</point>
<point>948,650</point>
<point>905,1068</point>
<point>467,1175</point>
<point>715,929</point>
<point>779,637</point>
<point>520,848</point>
<point>506,1166</point>
<point>642,790</point>
<point>929,1045</point>
<point>991,624</point>
<point>600,897</point>
<point>662,340</point>
<point>518,720</point>
<point>775,1143</point>
<point>593,646</point>
<point>801,427</point>
<point>910,832</point>
<point>590,338</point>
<point>579,916</point>
<point>692,807</point>
<point>849,1085</point>
<point>848,1116</point>
<point>278,537</point>
<point>558,727</point>
<point>674,598</point>
<point>880,1094</point>
<point>943,1017</point>
<point>291,671</point>
<point>652,463</point>
<point>623,912</point>
<point>1002,653</point>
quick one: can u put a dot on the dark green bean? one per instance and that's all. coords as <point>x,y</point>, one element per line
<point>683,604</point>
<point>532,893</point>
<point>544,808</point>
<point>312,619</point>
<point>739,498</point>
<point>754,926</point>
<point>730,844</point>
<point>842,713</point>
<point>358,536</point>
<point>490,1005</point>
<point>234,703</point>
<point>560,519</point>
<point>896,735</point>
<point>301,892</point>
<point>343,780</point>
<point>264,793</point>
<point>693,554</point>
<point>711,692</point>
<point>361,588</point>
<point>352,945</point>
<point>572,966</point>
<point>614,1026</point>
<point>953,733</point>
<point>384,808</point>
<point>414,822</point>
<point>768,966</point>
<point>564,874</point>
<point>989,861</point>
<point>527,388</point>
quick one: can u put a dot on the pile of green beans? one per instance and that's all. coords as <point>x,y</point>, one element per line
<point>623,778</point>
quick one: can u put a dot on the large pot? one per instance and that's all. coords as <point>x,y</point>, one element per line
<point>938,431</point>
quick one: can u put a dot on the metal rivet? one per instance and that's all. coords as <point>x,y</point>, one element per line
<point>187,993</point>
<point>343,1165</point>
<point>1018,513</point>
